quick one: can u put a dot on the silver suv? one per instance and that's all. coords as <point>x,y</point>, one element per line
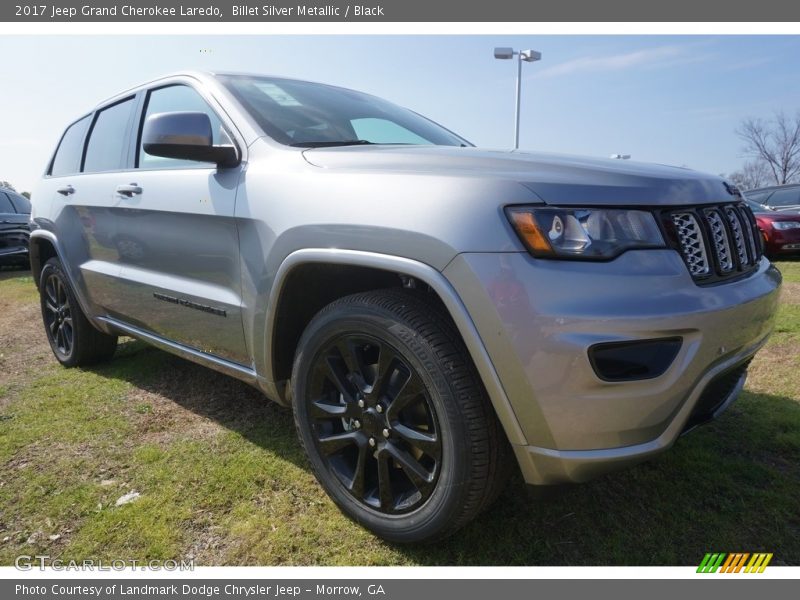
<point>433,313</point>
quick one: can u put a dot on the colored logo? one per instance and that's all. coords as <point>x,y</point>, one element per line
<point>734,562</point>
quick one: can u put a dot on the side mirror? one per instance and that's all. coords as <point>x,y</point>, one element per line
<point>186,136</point>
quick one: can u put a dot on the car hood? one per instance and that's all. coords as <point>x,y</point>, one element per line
<point>557,179</point>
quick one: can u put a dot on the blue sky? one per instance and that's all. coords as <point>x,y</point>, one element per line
<point>667,99</point>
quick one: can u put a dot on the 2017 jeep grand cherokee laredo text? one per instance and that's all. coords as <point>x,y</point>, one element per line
<point>429,310</point>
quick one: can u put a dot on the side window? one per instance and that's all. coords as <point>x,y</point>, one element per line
<point>21,203</point>
<point>106,148</point>
<point>177,98</point>
<point>788,197</point>
<point>759,197</point>
<point>68,156</point>
<point>381,131</point>
<point>5,204</point>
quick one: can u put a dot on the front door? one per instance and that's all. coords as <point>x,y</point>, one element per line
<point>176,240</point>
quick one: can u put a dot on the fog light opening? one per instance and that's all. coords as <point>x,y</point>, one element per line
<point>634,360</point>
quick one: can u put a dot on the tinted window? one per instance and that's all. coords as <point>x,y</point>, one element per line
<point>68,156</point>
<point>21,203</point>
<point>756,207</point>
<point>5,204</point>
<point>759,197</point>
<point>106,148</point>
<point>787,197</point>
<point>178,98</point>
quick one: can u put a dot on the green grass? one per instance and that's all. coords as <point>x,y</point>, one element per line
<point>790,270</point>
<point>222,478</point>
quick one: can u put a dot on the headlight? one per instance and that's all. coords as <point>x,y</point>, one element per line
<point>782,225</point>
<point>584,233</point>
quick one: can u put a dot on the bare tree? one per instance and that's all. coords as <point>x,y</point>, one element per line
<point>776,142</point>
<point>7,185</point>
<point>754,174</point>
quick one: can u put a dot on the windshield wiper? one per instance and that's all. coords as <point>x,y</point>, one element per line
<point>326,144</point>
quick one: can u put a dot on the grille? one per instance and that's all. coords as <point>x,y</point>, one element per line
<point>693,249</point>
<point>716,242</point>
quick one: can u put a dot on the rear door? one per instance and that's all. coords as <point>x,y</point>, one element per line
<point>91,207</point>
<point>176,240</point>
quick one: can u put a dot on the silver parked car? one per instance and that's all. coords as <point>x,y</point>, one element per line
<point>432,312</point>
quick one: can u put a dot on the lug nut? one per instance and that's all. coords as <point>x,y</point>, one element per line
<point>379,408</point>
<point>360,403</point>
<point>386,433</point>
<point>372,442</point>
<point>357,424</point>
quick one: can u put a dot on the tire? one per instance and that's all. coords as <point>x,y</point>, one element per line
<point>389,367</point>
<point>75,342</point>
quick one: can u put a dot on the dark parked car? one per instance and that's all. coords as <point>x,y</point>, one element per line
<point>15,212</point>
<point>780,229</point>
<point>779,197</point>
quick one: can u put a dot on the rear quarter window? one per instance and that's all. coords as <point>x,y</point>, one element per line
<point>68,155</point>
<point>105,150</point>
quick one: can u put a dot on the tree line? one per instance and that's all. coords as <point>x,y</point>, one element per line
<point>772,148</point>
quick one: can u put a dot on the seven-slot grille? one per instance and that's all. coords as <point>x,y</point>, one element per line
<point>716,242</point>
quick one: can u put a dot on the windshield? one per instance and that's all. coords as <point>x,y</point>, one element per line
<point>299,113</point>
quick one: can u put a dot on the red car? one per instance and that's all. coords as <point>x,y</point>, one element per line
<point>780,230</point>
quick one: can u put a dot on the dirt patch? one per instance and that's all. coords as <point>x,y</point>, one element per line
<point>790,293</point>
<point>24,347</point>
<point>179,400</point>
<point>770,367</point>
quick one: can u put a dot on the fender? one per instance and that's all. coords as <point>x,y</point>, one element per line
<point>76,290</point>
<point>423,273</point>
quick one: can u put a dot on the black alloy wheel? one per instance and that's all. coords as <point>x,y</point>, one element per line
<point>58,315</point>
<point>374,423</point>
<point>393,416</point>
<point>72,337</point>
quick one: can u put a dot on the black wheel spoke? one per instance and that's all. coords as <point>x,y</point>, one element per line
<point>406,394</point>
<point>384,370</point>
<point>334,443</point>
<point>385,494</point>
<point>323,410</point>
<point>66,328</point>
<point>50,291</point>
<point>418,474</point>
<point>352,362</point>
<point>360,473</point>
<point>422,440</point>
<point>50,306</point>
<point>337,373</point>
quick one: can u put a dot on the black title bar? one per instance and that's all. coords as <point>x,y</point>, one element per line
<point>389,11</point>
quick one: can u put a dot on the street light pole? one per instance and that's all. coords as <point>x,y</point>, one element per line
<point>522,55</point>
<point>519,97</point>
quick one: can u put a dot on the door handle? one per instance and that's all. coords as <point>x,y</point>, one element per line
<point>129,191</point>
<point>66,190</point>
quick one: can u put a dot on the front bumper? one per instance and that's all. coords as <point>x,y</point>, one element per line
<point>538,319</point>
